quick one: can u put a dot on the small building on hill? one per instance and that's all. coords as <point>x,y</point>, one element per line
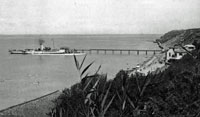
<point>169,53</point>
<point>179,53</point>
<point>173,54</point>
<point>190,47</point>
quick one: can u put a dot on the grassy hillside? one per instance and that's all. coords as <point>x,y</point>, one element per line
<point>180,36</point>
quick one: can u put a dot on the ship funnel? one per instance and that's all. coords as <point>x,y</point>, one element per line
<point>42,47</point>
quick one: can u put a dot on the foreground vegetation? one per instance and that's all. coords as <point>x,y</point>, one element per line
<point>176,91</point>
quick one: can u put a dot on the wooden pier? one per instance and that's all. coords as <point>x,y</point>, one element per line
<point>118,51</point>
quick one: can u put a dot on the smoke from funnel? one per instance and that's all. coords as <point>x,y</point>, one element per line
<point>41,41</point>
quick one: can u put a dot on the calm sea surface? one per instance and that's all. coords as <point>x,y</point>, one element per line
<point>25,77</point>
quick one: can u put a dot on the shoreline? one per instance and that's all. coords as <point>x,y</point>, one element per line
<point>154,64</point>
<point>41,106</point>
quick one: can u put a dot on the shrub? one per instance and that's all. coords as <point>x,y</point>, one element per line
<point>176,91</point>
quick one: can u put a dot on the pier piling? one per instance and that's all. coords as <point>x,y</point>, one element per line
<point>137,52</point>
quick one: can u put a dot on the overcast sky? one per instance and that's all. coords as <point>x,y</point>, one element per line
<point>97,16</point>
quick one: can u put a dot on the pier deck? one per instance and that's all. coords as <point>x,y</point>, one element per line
<point>118,51</point>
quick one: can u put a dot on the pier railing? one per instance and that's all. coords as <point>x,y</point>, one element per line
<point>118,51</point>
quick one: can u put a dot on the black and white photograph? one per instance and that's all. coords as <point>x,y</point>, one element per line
<point>99,58</point>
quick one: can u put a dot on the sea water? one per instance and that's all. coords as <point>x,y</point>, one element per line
<point>25,77</point>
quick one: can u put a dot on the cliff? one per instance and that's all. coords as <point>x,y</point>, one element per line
<point>187,36</point>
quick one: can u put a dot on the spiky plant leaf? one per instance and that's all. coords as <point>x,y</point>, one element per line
<point>95,84</point>
<point>147,81</point>
<point>82,62</point>
<point>103,87</point>
<point>119,96</point>
<point>86,68</point>
<point>131,102</point>
<point>84,79</point>
<point>98,69</point>
<point>77,63</point>
<point>91,91</point>
<point>110,102</point>
<point>105,97</point>
<point>138,85</point>
<point>123,105</point>
<point>87,84</point>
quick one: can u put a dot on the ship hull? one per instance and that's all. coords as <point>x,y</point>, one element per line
<point>56,54</point>
<point>17,52</point>
<point>45,53</point>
